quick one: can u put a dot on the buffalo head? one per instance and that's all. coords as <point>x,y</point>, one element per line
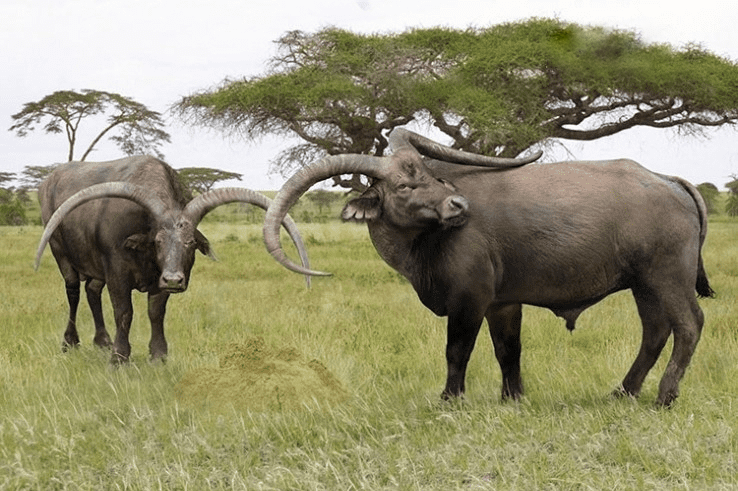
<point>171,245</point>
<point>174,237</point>
<point>405,195</point>
<point>409,197</point>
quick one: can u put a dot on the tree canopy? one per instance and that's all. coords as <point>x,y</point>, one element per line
<point>496,91</point>
<point>710,193</point>
<point>139,129</point>
<point>6,177</point>
<point>202,179</point>
<point>33,175</point>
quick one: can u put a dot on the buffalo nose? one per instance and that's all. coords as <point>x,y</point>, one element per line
<point>172,281</point>
<point>458,204</point>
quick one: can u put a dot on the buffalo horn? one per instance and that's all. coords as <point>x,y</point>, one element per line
<point>400,137</point>
<point>205,203</point>
<point>133,192</point>
<point>299,183</point>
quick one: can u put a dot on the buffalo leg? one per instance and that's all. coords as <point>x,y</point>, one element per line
<point>504,327</point>
<point>662,315</point>
<point>463,327</point>
<point>123,311</point>
<point>93,289</point>
<point>686,324</point>
<point>71,337</point>
<point>71,283</point>
<point>656,332</point>
<point>157,309</point>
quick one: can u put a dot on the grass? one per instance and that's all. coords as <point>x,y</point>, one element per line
<point>69,421</point>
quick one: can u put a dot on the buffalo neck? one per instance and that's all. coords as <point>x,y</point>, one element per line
<point>415,254</point>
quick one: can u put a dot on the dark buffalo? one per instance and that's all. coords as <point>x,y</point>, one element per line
<point>128,224</point>
<point>478,242</point>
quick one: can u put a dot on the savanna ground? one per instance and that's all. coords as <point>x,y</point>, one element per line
<point>70,421</point>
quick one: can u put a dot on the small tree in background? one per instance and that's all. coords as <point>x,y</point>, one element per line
<point>731,207</point>
<point>139,129</point>
<point>323,198</point>
<point>710,194</point>
<point>202,179</point>
<point>5,178</point>
<point>12,209</point>
<point>33,175</point>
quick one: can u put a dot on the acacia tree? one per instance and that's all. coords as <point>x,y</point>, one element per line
<point>202,179</point>
<point>495,91</point>
<point>139,129</point>
<point>710,193</point>
<point>33,175</point>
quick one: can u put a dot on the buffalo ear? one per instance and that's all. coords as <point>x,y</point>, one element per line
<point>365,208</point>
<point>137,242</point>
<point>203,245</point>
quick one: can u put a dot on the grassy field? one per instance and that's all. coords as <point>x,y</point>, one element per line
<point>69,421</point>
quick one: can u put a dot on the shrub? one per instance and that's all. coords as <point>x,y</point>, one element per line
<point>12,212</point>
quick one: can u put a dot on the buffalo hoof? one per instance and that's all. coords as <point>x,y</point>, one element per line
<point>666,400</point>
<point>66,346</point>
<point>158,358</point>
<point>103,341</point>
<point>621,393</point>
<point>451,396</point>
<point>511,397</point>
<point>118,359</point>
<point>71,340</point>
<point>512,391</point>
<point>158,351</point>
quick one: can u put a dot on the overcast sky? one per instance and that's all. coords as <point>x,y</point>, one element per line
<point>156,51</point>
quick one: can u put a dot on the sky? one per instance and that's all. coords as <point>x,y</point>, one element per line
<point>157,51</point>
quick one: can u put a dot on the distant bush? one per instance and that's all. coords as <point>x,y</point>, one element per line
<point>710,194</point>
<point>731,206</point>
<point>12,208</point>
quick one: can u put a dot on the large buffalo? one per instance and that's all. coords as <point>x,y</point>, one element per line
<point>479,242</point>
<point>128,224</point>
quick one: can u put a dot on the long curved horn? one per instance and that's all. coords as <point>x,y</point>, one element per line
<point>400,137</point>
<point>205,203</point>
<point>127,190</point>
<point>299,183</point>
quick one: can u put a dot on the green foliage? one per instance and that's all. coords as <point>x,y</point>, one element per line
<point>34,175</point>
<point>140,129</point>
<point>323,198</point>
<point>731,205</point>
<point>12,202</point>
<point>12,208</point>
<point>6,177</point>
<point>69,421</point>
<point>202,179</point>
<point>711,195</point>
<point>497,90</point>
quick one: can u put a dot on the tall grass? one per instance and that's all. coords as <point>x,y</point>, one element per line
<point>69,421</point>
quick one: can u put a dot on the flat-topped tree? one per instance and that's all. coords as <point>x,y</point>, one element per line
<point>133,127</point>
<point>495,91</point>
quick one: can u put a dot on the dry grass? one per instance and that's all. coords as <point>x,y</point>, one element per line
<point>69,421</point>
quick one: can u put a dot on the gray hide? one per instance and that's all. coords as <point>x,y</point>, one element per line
<point>128,224</point>
<point>479,242</point>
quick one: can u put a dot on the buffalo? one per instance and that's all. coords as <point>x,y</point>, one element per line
<point>480,239</point>
<point>128,224</point>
